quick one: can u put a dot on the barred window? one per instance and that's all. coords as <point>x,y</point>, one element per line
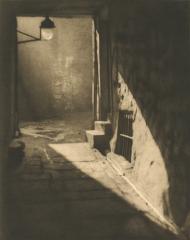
<point>125,134</point>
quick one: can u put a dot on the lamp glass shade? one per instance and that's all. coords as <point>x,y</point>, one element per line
<point>47,33</point>
<point>47,29</point>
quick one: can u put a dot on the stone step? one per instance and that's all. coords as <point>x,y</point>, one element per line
<point>104,126</point>
<point>96,139</point>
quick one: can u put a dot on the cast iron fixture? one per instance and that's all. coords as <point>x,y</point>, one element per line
<point>46,31</point>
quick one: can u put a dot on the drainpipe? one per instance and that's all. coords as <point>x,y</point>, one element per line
<point>16,130</point>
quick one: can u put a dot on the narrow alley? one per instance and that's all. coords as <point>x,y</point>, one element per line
<point>94,120</point>
<point>66,190</point>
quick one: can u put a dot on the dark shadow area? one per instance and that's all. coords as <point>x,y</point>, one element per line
<point>153,59</point>
<point>125,134</point>
<point>27,101</point>
<point>59,201</point>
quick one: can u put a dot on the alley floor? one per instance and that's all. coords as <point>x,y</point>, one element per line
<point>65,191</point>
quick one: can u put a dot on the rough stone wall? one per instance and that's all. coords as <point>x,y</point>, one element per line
<point>55,76</point>
<point>150,56</point>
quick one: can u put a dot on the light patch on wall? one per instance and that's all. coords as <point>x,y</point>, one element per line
<point>149,166</point>
<point>68,61</point>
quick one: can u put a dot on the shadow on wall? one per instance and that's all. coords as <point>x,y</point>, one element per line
<point>34,110</point>
<point>151,76</point>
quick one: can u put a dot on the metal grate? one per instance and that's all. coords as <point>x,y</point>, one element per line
<point>125,134</point>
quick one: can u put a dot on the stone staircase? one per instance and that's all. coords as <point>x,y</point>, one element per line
<point>99,137</point>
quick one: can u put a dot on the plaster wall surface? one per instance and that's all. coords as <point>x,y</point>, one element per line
<point>150,56</point>
<point>55,76</point>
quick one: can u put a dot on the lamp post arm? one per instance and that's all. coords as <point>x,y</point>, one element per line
<point>29,35</point>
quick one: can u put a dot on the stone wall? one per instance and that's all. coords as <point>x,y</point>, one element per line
<point>55,76</point>
<point>150,71</point>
